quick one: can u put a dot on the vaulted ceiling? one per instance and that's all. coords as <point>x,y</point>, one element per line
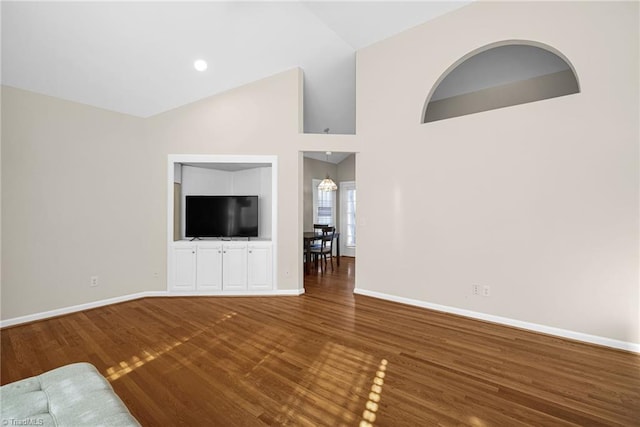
<point>137,57</point>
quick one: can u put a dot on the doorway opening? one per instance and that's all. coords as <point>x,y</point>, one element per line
<point>325,205</point>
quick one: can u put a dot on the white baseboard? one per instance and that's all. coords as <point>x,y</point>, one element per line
<point>579,336</point>
<point>80,307</point>
<point>266,293</point>
<point>95,304</point>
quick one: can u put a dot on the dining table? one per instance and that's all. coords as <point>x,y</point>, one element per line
<point>311,236</point>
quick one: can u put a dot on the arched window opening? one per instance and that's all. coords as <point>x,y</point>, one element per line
<point>497,76</point>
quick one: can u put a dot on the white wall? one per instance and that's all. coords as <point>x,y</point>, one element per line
<point>539,201</point>
<point>256,181</point>
<point>177,173</point>
<point>206,182</point>
<point>201,181</point>
<point>266,202</point>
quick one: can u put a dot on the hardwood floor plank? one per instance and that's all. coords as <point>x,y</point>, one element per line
<point>328,357</point>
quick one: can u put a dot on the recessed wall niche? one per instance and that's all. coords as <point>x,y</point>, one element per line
<point>227,179</point>
<point>500,75</point>
<point>222,178</point>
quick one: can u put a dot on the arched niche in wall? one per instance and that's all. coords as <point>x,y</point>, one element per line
<point>500,75</point>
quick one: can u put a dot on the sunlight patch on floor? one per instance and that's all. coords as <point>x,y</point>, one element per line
<point>476,422</point>
<point>338,373</point>
<point>269,346</point>
<point>146,356</point>
<point>371,408</point>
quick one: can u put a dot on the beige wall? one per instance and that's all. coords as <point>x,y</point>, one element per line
<point>75,197</point>
<point>538,201</point>
<point>347,169</point>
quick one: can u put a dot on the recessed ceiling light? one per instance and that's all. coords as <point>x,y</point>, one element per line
<point>200,65</point>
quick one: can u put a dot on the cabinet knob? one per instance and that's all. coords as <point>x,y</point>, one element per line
<point>193,252</point>
<point>249,251</point>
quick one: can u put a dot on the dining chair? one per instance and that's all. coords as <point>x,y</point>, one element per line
<point>325,248</point>
<point>317,228</point>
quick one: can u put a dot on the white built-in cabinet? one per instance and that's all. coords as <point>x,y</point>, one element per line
<point>209,267</point>
<point>221,266</point>
<point>234,267</point>
<point>260,262</point>
<point>184,267</point>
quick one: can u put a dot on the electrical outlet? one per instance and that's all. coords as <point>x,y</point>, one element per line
<point>94,281</point>
<point>475,289</point>
<point>486,291</point>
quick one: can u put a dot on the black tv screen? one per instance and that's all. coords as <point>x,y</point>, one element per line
<point>221,216</point>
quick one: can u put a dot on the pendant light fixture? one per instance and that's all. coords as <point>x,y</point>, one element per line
<point>327,184</point>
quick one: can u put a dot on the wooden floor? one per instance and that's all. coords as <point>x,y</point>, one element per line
<point>328,358</point>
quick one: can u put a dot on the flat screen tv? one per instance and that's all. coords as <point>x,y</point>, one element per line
<point>221,216</point>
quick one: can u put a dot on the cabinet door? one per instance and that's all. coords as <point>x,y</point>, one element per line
<point>259,267</point>
<point>209,268</point>
<point>184,268</point>
<point>234,267</point>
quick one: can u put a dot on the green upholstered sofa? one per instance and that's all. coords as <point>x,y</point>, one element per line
<point>73,395</point>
